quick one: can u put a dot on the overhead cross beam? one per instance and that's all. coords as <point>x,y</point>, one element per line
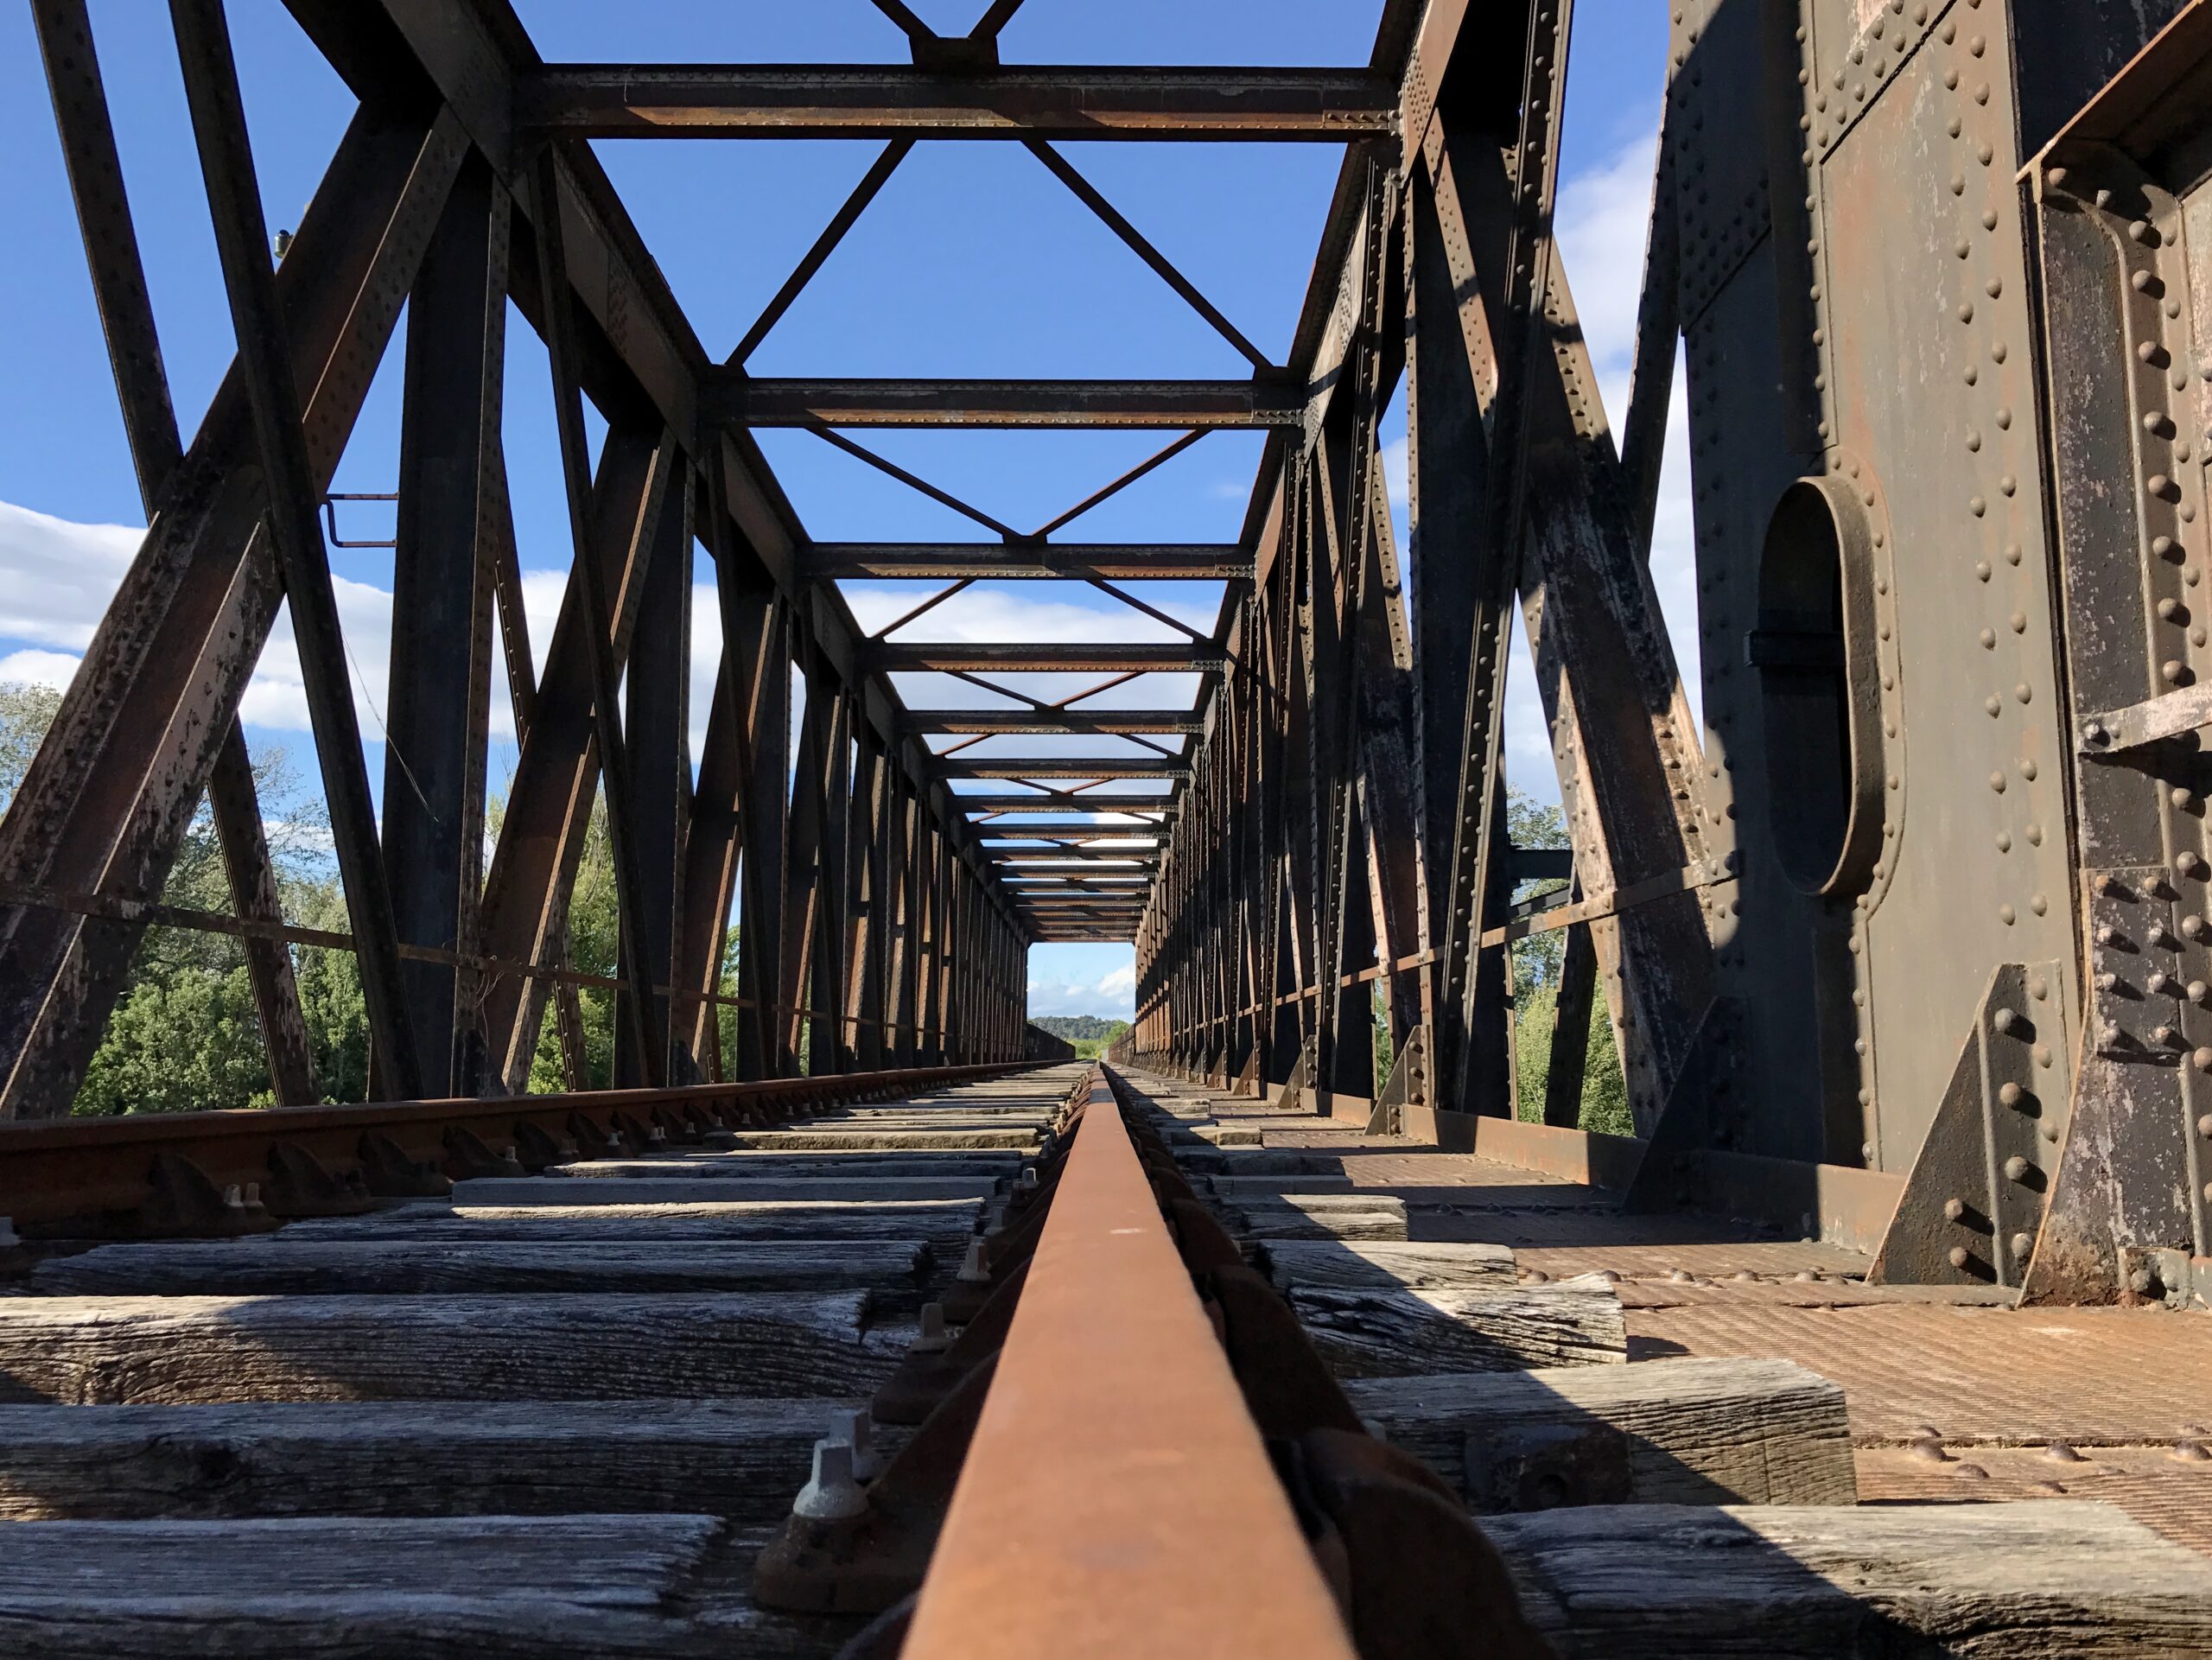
<point>1062,801</point>
<point>1159,560</point>
<point>586,100</point>
<point>1260,402</point>
<point>1009,657</point>
<point>1065,721</point>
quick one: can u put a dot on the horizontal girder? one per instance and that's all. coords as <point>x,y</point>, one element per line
<point>948,560</point>
<point>998,657</point>
<point>1077,766</point>
<point>1061,802</point>
<point>1080,722</point>
<point>588,100</point>
<point>742,400</point>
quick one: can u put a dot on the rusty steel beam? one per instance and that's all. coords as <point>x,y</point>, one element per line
<point>1039,722</point>
<point>1263,401</point>
<point>1074,656</point>
<point>476,55</point>
<point>290,523</point>
<point>1064,801</point>
<point>96,186</point>
<point>1077,766</point>
<point>104,803</point>
<point>583,100</point>
<point>449,534</point>
<point>84,1169</point>
<point>1175,561</point>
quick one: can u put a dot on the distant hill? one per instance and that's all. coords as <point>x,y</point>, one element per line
<point>1077,1028</point>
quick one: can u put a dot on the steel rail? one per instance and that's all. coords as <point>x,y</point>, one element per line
<point>64,1169</point>
<point>1161,1528</point>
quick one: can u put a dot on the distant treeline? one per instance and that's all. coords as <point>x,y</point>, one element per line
<point>1077,1028</point>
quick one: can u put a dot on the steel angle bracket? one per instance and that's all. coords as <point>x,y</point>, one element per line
<point>2136,1163</point>
<point>1406,1086</point>
<point>1973,1204</point>
<point>1700,1112</point>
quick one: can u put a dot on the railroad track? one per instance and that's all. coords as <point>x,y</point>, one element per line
<point>1037,1361</point>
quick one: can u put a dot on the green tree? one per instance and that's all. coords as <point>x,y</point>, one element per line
<point>25,714</point>
<point>593,929</point>
<point>1535,965</point>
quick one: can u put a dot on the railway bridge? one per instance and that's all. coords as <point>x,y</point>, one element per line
<point>836,1309</point>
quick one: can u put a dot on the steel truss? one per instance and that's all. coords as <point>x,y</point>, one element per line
<point>1807,1001</point>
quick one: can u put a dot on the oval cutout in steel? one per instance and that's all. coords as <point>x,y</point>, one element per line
<point>1819,686</point>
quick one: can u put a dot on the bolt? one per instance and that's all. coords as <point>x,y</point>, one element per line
<point>1954,1208</point>
<point>856,1427</point>
<point>2061,1453</point>
<point>2010,1094</point>
<point>974,1269</point>
<point>1960,1256</point>
<point>2003,1018</point>
<point>2191,1450</point>
<point>2023,1243</point>
<point>831,1494</point>
<point>1927,1444</point>
<point>933,1338</point>
<point>2016,1169</point>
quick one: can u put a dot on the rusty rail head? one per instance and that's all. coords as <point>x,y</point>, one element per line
<point>56,1170</point>
<point>1117,1500</point>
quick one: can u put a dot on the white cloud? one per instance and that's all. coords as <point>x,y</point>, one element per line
<point>38,669</point>
<point>1112,997</point>
<point>57,577</point>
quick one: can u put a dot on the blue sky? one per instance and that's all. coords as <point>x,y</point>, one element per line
<point>972,261</point>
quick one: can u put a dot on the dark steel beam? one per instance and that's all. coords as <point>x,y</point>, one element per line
<point>265,360</point>
<point>548,804</point>
<point>1079,766</point>
<point>1065,721</point>
<point>740,400</point>
<point>656,720</point>
<point>437,714</point>
<point>844,219</point>
<point>1077,836</point>
<point>1134,561</point>
<point>475,57</point>
<point>596,609</point>
<point>96,185</point>
<point>1061,802</point>
<point>1073,656</point>
<point>585,100</point>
